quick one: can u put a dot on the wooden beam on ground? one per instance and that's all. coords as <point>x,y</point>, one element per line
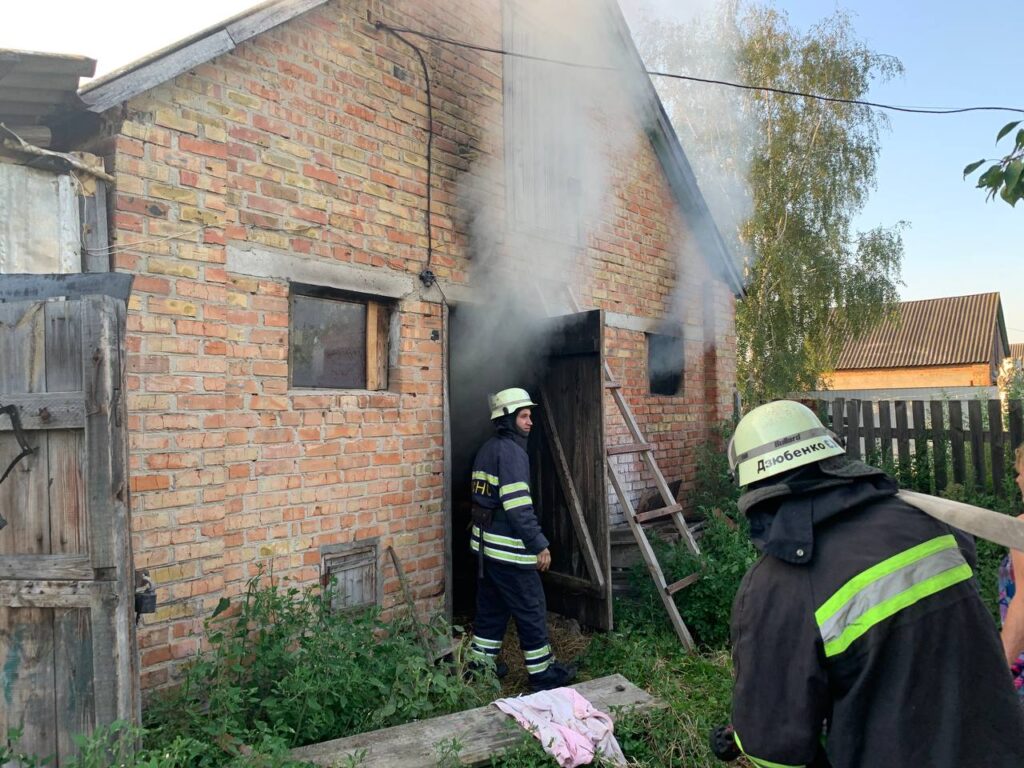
<point>483,732</point>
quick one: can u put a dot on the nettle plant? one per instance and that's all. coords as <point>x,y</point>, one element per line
<point>1005,176</point>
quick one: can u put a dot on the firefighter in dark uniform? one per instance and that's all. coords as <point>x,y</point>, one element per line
<point>511,548</point>
<point>859,637</point>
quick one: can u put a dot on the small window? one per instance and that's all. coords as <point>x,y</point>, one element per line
<point>665,364</point>
<point>351,574</point>
<point>337,340</point>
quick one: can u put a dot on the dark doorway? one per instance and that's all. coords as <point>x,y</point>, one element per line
<point>560,364</point>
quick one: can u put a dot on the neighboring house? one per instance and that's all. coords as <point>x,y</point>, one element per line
<point>1017,354</point>
<point>952,342</point>
<point>293,388</point>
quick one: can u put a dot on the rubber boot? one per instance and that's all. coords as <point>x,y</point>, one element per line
<point>555,676</point>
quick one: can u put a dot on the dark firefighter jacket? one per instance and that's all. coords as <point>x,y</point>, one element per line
<point>501,482</point>
<point>861,629</point>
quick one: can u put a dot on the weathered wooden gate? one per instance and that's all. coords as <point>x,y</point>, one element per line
<point>67,631</point>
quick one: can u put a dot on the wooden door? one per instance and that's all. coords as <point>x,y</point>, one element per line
<point>67,631</point>
<point>570,471</point>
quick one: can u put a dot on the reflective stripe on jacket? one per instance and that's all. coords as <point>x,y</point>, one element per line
<point>501,482</point>
<point>879,644</point>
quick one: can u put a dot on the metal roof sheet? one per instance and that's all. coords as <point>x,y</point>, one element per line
<point>36,86</point>
<point>1017,351</point>
<point>956,330</point>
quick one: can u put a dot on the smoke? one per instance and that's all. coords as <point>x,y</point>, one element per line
<point>538,197</point>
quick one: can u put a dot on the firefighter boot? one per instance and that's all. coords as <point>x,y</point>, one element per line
<point>555,676</point>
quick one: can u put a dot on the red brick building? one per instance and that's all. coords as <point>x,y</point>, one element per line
<point>301,393</point>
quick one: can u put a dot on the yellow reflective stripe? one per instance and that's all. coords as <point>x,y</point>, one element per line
<point>522,501</point>
<point>505,490</point>
<point>501,554</point>
<point>495,538</point>
<point>536,669</point>
<point>483,642</point>
<point>876,572</point>
<point>492,479</point>
<point>537,653</point>
<point>896,604</point>
<point>761,762</point>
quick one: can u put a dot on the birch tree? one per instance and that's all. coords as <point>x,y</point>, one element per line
<point>785,177</point>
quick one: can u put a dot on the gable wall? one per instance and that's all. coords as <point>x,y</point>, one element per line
<point>978,375</point>
<point>308,141</point>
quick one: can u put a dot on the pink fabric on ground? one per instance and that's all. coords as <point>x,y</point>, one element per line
<point>568,726</point>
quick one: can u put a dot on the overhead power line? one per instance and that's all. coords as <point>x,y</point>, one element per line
<point>706,80</point>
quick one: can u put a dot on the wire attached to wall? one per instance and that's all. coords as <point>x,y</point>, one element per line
<point>427,277</point>
<point>676,76</point>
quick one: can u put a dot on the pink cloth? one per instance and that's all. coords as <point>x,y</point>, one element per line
<point>568,726</point>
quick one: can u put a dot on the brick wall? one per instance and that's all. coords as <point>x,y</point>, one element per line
<point>900,378</point>
<point>309,140</point>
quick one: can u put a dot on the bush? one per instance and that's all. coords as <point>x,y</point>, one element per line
<point>283,670</point>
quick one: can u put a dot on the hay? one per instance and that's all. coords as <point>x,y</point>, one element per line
<point>567,639</point>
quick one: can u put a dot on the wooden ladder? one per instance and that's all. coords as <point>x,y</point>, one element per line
<point>669,509</point>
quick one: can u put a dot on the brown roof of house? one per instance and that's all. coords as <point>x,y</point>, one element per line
<point>1017,351</point>
<point>956,330</point>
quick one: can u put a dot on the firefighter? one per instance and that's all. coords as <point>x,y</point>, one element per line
<point>511,548</point>
<point>859,638</point>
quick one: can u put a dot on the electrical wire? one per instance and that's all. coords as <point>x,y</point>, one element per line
<point>695,79</point>
<point>427,277</point>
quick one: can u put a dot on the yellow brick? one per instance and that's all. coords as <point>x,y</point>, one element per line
<point>161,267</point>
<point>209,218</point>
<point>238,299</point>
<point>176,194</point>
<point>170,119</point>
<point>244,99</point>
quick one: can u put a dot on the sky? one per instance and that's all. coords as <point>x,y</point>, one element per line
<point>953,53</point>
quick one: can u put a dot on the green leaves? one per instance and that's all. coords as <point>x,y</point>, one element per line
<point>1006,129</point>
<point>1003,177</point>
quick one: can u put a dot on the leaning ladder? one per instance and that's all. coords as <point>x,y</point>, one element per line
<point>670,509</point>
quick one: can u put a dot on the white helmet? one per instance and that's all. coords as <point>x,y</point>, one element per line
<point>509,401</point>
<point>777,437</point>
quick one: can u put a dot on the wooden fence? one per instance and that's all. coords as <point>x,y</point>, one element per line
<point>932,444</point>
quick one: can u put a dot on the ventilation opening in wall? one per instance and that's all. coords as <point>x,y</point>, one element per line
<point>351,574</point>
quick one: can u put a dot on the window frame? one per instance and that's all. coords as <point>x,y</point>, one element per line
<point>376,342</point>
<point>669,338</point>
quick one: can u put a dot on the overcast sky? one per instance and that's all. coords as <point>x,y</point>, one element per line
<point>952,50</point>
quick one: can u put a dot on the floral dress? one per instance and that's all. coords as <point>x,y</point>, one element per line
<point>1007,589</point>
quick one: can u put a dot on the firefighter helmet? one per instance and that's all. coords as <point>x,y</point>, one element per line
<point>509,401</point>
<point>777,437</point>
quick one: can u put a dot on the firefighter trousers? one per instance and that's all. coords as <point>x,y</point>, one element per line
<point>504,591</point>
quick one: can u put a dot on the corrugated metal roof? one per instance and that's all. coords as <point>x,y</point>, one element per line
<point>1017,351</point>
<point>956,330</point>
<point>36,86</point>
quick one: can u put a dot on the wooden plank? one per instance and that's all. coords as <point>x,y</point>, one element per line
<point>24,593</point>
<point>61,410</point>
<point>653,566</point>
<point>977,438</point>
<point>157,70</point>
<point>484,732</point>
<point>106,499</point>
<point>95,243</point>
<point>615,450</point>
<point>939,445</point>
<point>902,437</point>
<point>68,525</point>
<point>75,699</point>
<point>449,577</point>
<point>868,427</point>
<point>956,441</point>
<point>579,522</point>
<point>657,514</point>
<point>52,567</point>
<point>29,698</point>
<point>16,288</point>
<point>995,429</point>
<point>920,435</point>
<point>683,583</point>
<point>885,430</point>
<point>254,22</point>
<point>853,429</point>
<point>839,418</point>
<point>24,498</point>
<point>373,310</point>
<point>573,583</point>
